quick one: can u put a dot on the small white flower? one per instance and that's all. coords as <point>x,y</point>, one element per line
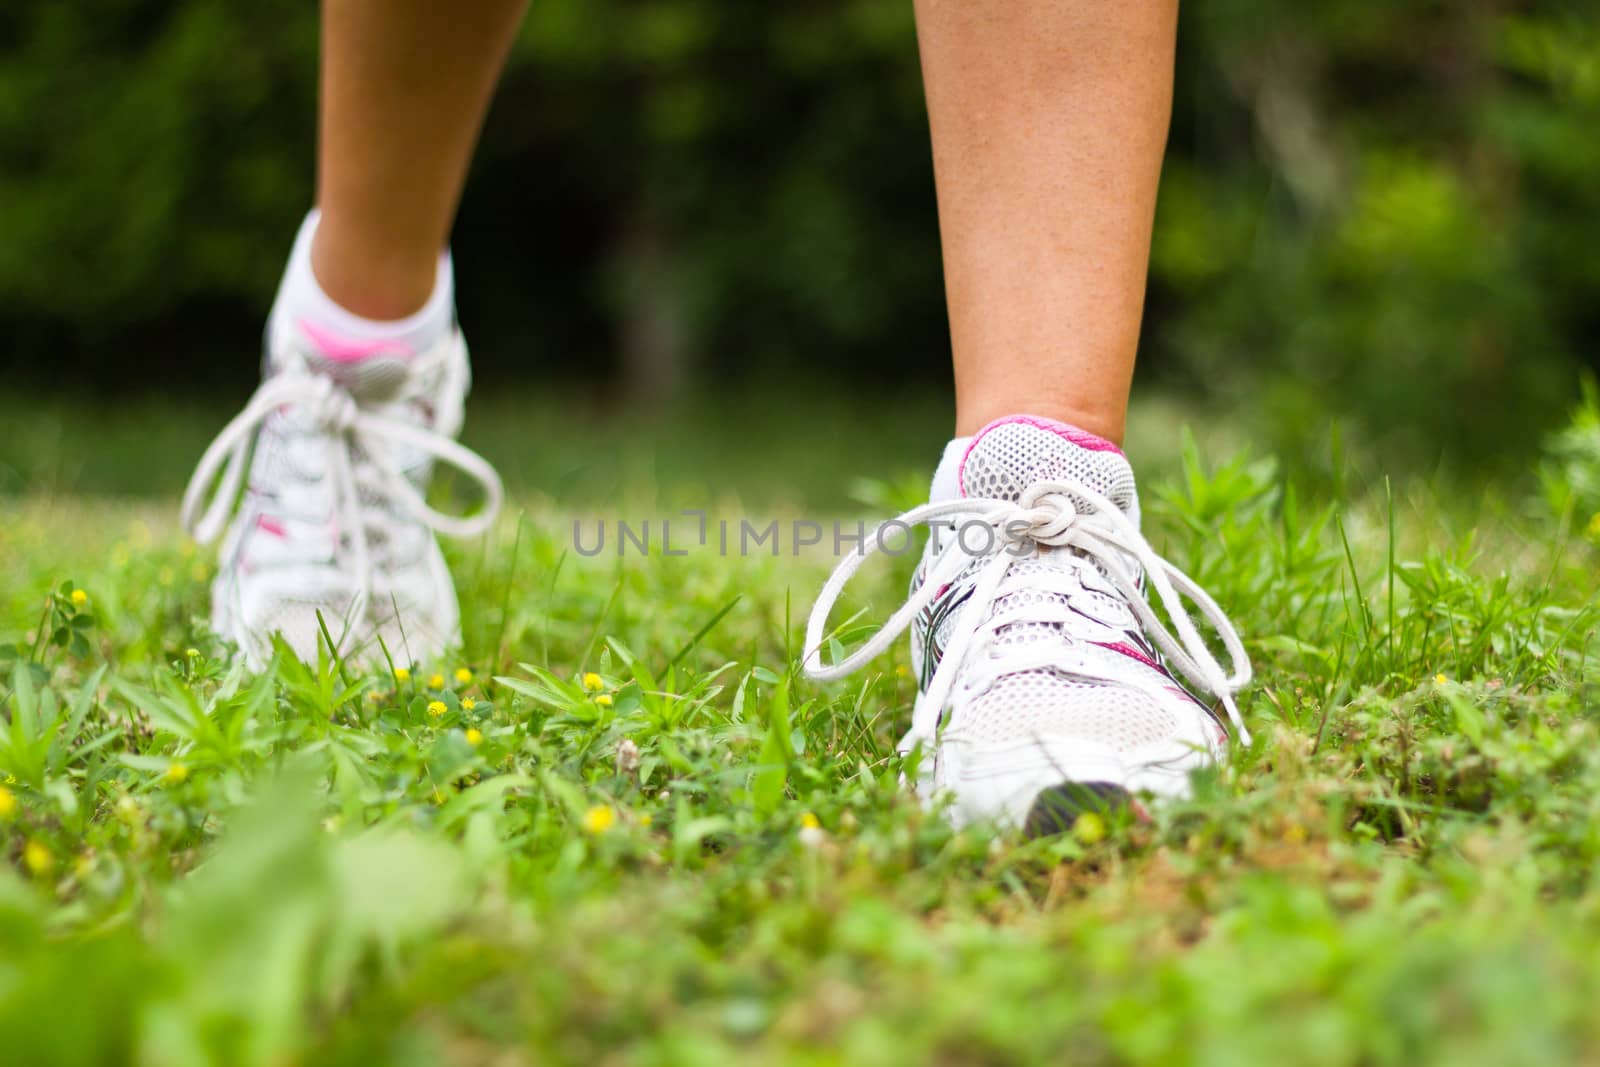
<point>627,756</point>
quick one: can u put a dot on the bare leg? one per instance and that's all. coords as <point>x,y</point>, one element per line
<point>405,84</point>
<point>1049,122</point>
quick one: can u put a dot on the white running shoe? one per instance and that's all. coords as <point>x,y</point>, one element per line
<point>333,521</point>
<point>1044,685</point>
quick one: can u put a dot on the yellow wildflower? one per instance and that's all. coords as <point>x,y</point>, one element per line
<point>593,682</point>
<point>474,737</point>
<point>177,772</point>
<point>8,803</point>
<point>604,700</point>
<point>645,820</point>
<point>79,598</point>
<point>810,821</point>
<point>436,681</point>
<point>463,676</point>
<point>467,704</point>
<point>402,675</point>
<point>1440,679</point>
<point>599,819</point>
<point>38,858</point>
<point>436,708</point>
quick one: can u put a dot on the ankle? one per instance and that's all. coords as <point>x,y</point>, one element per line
<point>309,305</point>
<point>381,283</point>
<point>1106,421</point>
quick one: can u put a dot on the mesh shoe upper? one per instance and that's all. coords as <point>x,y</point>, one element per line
<point>340,447</point>
<point>1103,681</point>
<point>1039,659</point>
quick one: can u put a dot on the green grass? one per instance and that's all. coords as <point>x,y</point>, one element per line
<point>571,448</point>
<point>198,865</point>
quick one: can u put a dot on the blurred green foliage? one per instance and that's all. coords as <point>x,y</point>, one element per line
<point>1388,212</point>
<point>1385,214</point>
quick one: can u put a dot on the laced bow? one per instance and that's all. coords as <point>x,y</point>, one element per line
<point>335,412</point>
<point>1064,515</point>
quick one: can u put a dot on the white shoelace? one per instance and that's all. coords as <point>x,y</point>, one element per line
<point>335,412</point>
<point>1045,515</point>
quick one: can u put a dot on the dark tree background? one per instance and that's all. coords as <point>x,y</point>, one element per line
<point>1384,213</point>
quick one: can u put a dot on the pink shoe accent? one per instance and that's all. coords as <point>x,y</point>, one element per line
<point>1132,653</point>
<point>342,351</point>
<point>271,526</point>
<point>1071,434</point>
